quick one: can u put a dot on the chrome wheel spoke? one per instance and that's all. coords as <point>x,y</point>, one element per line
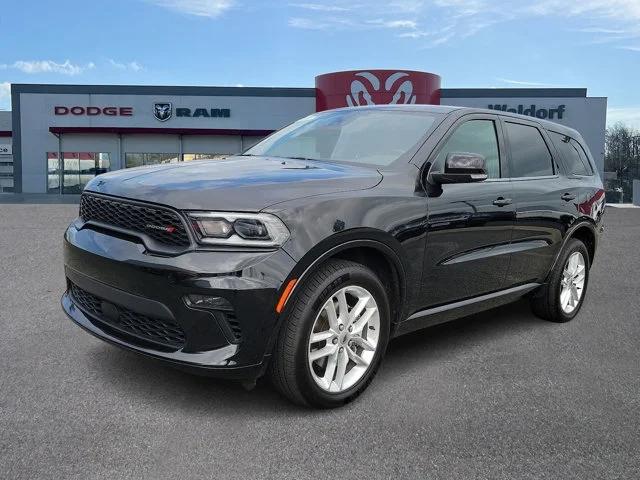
<point>322,352</point>
<point>331,368</point>
<point>343,307</point>
<point>332,315</point>
<point>574,295</point>
<point>565,296</point>
<point>358,309</point>
<point>573,264</point>
<point>320,336</point>
<point>357,359</point>
<point>364,343</point>
<point>359,324</point>
<point>341,368</point>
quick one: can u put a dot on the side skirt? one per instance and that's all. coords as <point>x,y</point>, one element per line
<point>451,311</point>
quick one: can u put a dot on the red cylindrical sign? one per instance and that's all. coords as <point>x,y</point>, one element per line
<point>376,87</point>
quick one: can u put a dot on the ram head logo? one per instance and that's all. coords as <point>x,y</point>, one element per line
<point>367,88</point>
<point>162,111</point>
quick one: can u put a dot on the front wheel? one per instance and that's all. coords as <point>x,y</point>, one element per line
<point>560,299</point>
<point>333,339</point>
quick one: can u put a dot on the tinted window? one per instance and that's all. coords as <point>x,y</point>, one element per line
<point>583,157</point>
<point>530,156</point>
<point>475,136</point>
<point>376,137</point>
<point>572,153</point>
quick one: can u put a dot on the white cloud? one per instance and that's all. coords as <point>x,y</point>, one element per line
<point>48,66</point>
<point>621,9</point>
<point>633,48</point>
<point>526,83</point>
<point>318,7</point>
<point>5,90</point>
<point>464,8</point>
<point>5,96</point>
<point>403,24</point>
<point>350,22</point>
<point>608,31</point>
<point>405,6</point>
<point>308,24</point>
<point>133,66</point>
<point>443,21</point>
<point>629,116</point>
<point>200,8</point>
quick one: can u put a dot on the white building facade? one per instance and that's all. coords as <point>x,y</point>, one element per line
<point>59,136</point>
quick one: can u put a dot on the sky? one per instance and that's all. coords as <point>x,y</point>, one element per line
<point>470,43</point>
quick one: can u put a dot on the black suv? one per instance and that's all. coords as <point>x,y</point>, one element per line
<point>305,255</point>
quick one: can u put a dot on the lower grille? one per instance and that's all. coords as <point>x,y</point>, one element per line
<point>153,330</point>
<point>234,325</point>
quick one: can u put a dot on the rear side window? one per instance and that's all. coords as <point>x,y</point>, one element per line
<point>530,155</point>
<point>475,136</point>
<point>574,157</point>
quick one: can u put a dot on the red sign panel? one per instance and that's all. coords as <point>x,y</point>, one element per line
<point>376,87</point>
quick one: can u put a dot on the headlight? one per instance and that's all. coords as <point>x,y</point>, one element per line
<point>239,229</point>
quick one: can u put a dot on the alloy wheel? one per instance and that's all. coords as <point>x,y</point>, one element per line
<point>344,339</point>
<point>572,283</point>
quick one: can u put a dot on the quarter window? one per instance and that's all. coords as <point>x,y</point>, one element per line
<point>530,156</point>
<point>475,136</point>
<point>574,157</point>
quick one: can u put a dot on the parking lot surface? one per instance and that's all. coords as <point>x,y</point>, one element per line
<point>496,395</point>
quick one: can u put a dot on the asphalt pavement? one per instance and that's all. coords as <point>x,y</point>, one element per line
<point>500,395</point>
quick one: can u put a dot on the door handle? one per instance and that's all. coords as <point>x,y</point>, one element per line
<point>501,202</point>
<point>568,197</point>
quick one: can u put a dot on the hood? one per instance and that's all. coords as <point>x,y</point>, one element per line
<point>234,184</point>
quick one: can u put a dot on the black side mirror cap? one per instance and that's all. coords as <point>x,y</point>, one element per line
<point>461,168</point>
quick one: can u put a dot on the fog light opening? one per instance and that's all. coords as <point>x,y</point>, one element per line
<point>208,302</point>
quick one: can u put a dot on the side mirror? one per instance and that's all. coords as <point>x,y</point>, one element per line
<point>461,168</point>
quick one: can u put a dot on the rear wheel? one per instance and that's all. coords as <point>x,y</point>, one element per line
<point>334,336</point>
<point>560,299</point>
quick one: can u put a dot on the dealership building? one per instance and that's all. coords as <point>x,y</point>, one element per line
<point>57,137</point>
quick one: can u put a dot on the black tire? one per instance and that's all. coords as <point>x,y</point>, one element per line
<point>289,369</point>
<point>545,302</point>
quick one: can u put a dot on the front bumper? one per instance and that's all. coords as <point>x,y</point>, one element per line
<point>118,278</point>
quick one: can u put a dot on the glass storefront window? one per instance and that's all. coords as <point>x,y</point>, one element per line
<point>75,170</point>
<point>53,173</point>
<point>140,159</point>
<point>187,157</point>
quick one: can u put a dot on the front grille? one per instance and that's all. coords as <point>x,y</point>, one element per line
<point>158,331</point>
<point>161,224</point>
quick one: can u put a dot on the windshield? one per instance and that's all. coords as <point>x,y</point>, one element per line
<point>376,137</point>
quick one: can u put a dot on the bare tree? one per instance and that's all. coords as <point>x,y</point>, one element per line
<point>622,155</point>
<point>620,143</point>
